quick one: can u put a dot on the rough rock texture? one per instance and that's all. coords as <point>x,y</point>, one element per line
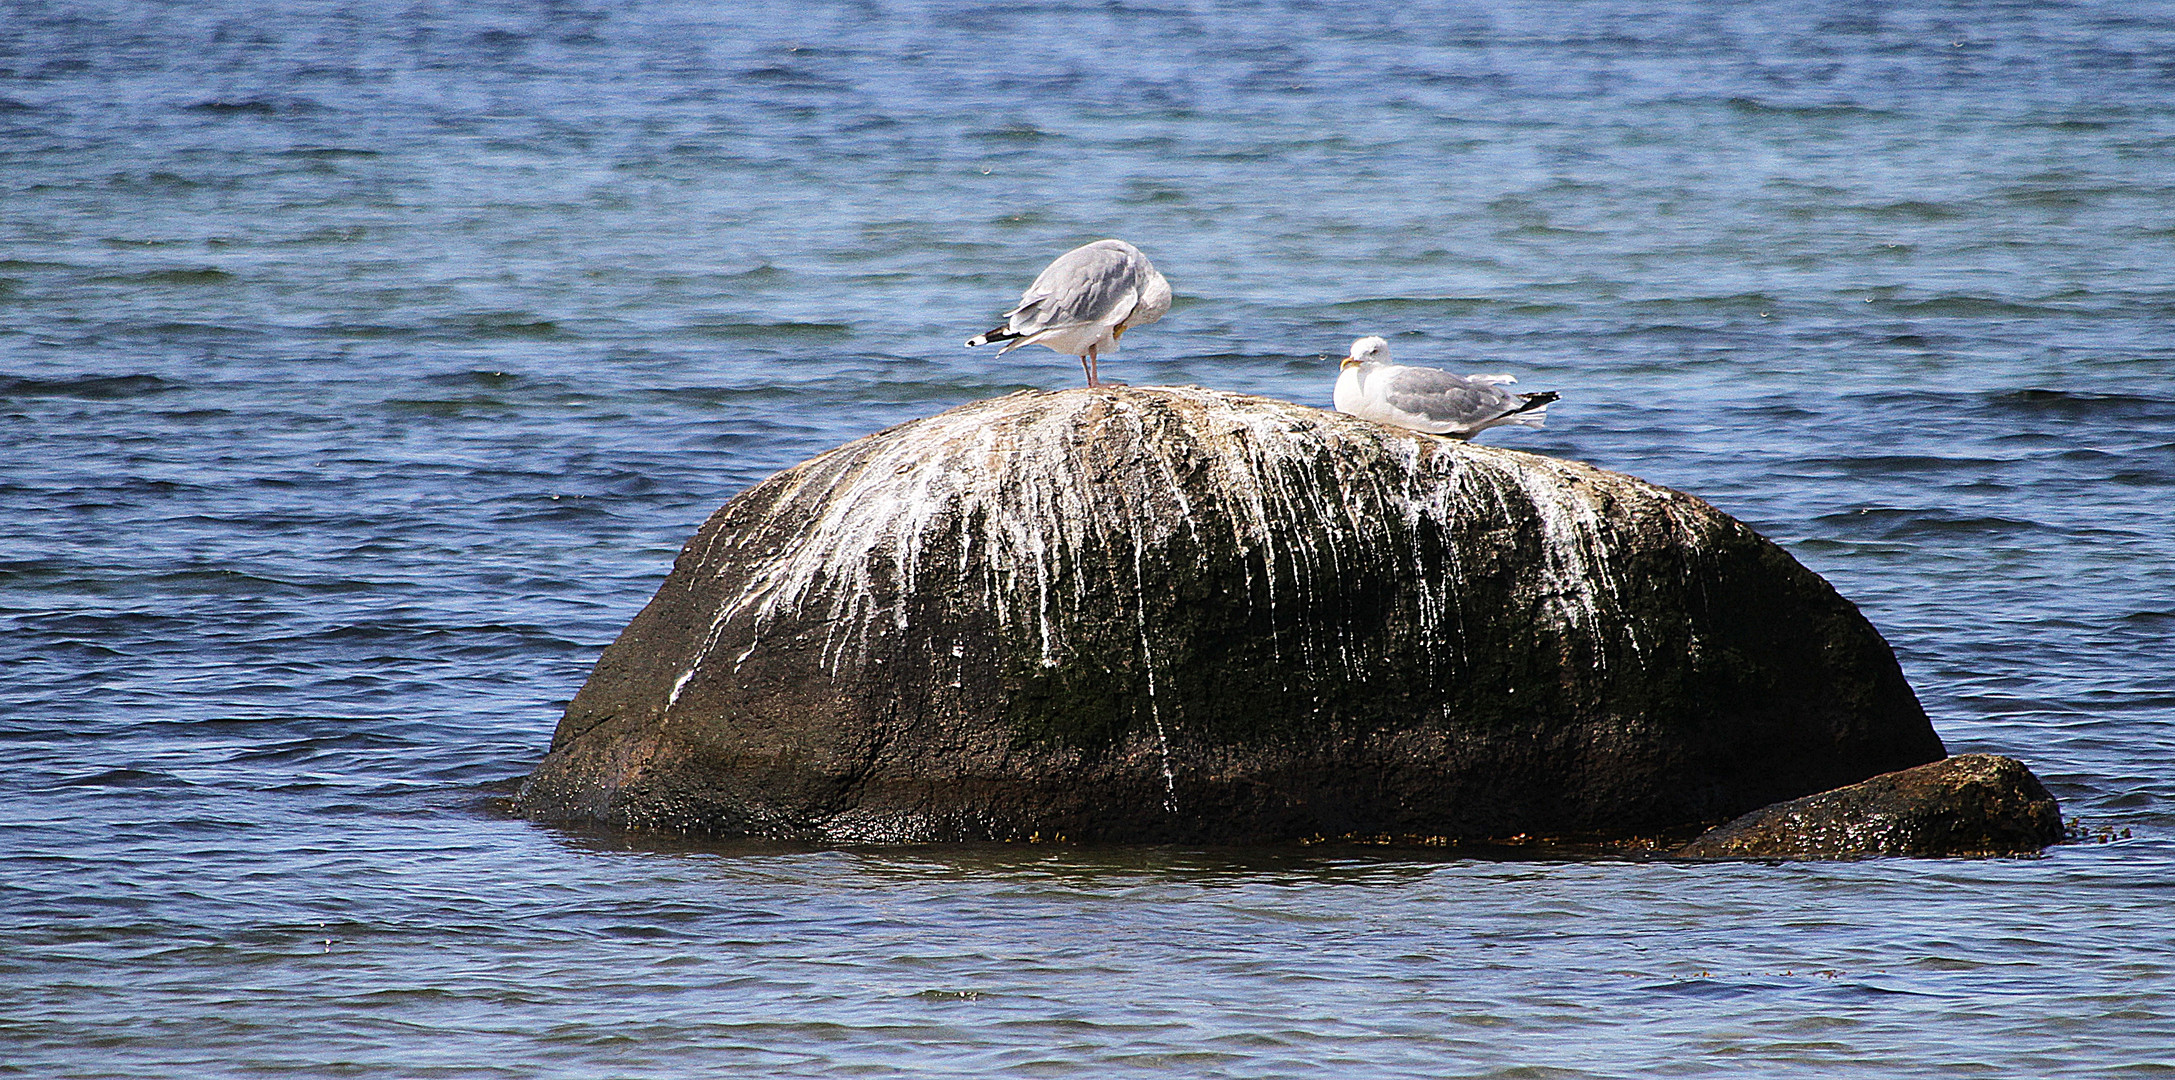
<point>1971,804</point>
<point>1183,615</point>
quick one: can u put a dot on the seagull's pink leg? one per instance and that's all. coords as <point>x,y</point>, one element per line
<point>1087,362</point>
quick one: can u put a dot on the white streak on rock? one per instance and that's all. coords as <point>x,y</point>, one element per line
<point>1016,500</point>
<point>1155,711</point>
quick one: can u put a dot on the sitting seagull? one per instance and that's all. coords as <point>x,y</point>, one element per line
<point>1082,303</point>
<point>1429,400</point>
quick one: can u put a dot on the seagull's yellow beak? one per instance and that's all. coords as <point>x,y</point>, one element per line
<point>1349,361</point>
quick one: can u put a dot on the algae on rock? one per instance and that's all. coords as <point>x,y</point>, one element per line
<point>1970,804</point>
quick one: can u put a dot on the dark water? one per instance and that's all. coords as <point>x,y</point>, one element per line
<point>363,365</point>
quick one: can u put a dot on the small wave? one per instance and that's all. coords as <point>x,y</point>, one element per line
<point>719,395</point>
<point>317,153</point>
<point>1807,191</point>
<point>316,744</point>
<point>2057,195</point>
<point>559,508</point>
<point>1387,305</point>
<point>507,324</point>
<point>1537,229</point>
<point>778,75</point>
<point>243,107</point>
<point>367,331</point>
<point>1786,413</point>
<point>449,408</point>
<point>1016,134</point>
<point>126,778</point>
<point>2075,404</point>
<point>107,626</point>
<point>1153,195</point>
<point>201,330</point>
<point>2071,124</point>
<point>737,331</point>
<point>1754,107</point>
<point>1911,210</point>
<point>491,380</point>
<point>330,234</point>
<point>2151,478</point>
<point>759,272</point>
<point>1706,987</point>
<point>23,571</point>
<point>150,243</point>
<point>1899,463</point>
<point>1970,307</point>
<point>1022,219</point>
<point>868,122</point>
<point>255,106</point>
<point>1732,302</point>
<point>1899,524</point>
<point>90,387</point>
<point>500,40</point>
<point>195,275</point>
<point>224,582</point>
<point>951,995</point>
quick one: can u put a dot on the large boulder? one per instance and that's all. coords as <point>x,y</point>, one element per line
<point>1970,804</point>
<point>1185,615</point>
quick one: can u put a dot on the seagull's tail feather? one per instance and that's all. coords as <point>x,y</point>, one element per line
<point>1002,333</point>
<point>1532,410</point>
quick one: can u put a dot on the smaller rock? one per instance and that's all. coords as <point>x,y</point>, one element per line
<point>1971,804</point>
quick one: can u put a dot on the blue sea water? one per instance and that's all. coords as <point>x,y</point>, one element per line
<point>364,364</point>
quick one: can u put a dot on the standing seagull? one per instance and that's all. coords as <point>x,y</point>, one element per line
<point>1430,400</point>
<point>1084,302</point>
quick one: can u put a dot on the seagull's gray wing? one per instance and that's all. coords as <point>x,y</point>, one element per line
<point>1444,398</point>
<point>1096,284</point>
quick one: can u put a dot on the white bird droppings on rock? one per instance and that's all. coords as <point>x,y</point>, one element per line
<point>1022,483</point>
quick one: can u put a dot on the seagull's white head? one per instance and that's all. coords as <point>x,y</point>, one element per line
<point>1368,350</point>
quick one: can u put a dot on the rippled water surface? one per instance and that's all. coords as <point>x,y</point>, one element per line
<point>363,365</point>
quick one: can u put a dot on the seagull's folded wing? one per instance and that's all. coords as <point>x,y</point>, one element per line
<point>1091,285</point>
<point>1443,398</point>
